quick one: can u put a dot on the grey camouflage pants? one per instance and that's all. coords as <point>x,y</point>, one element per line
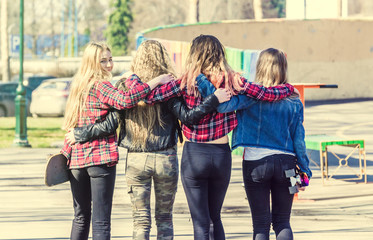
<point>161,167</point>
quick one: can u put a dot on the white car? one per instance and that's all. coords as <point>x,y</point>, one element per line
<point>49,99</point>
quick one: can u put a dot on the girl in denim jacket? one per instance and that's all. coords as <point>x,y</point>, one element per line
<point>272,135</point>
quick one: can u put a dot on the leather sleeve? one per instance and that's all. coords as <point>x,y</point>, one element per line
<point>93,131</point>
<point>192,116</point>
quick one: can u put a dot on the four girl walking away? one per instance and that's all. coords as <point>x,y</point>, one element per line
<point>93,164</point>
<point>150,134</point>
<point>272,135</point>
<point>206,158</point>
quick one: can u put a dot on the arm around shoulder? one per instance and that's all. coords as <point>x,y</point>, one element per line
<point>192,116</point>
<point>269,94</point>
<point>94,131</point>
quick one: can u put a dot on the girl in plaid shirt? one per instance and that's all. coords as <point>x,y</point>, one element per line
<point>92,164</point>
<point>206,159</point>
<point>150,133</point>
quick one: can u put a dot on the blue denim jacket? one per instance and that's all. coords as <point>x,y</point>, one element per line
<point>276,125</point>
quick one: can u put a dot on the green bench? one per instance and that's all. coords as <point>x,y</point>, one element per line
<point>322,142</point>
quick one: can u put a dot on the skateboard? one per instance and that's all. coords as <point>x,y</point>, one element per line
<point>56,171</point>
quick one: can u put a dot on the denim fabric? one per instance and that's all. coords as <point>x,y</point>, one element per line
<point>162,168</point>
<point>92,185</point>
<point>263,179</point>
<point>205,174</point>
<point>274,125</point>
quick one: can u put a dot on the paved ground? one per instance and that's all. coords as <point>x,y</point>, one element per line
<point>339,209</point>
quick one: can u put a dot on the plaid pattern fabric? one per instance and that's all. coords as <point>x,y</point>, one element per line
<point>266,94</point>
<point>211,127</point>
<point>216,125</point>
<point>256,91</point>
<point>101,98</point>
<point>161,93</point>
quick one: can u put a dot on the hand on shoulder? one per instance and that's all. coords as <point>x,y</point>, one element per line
<point>160,80</point>
<point>164,78</point>
<point>223,95</point>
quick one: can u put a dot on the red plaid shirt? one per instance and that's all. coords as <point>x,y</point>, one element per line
<point>216,125</point>
<point>101,98</point>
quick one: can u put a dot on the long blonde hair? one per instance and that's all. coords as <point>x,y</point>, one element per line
<point>271,68</point>
<point>89,73</point>
<point>150,61</point>
<point>207,56</point>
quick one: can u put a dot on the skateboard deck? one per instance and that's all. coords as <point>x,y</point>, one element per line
<point>56,171</point>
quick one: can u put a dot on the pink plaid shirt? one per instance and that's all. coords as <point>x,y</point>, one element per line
<point>101,98</point>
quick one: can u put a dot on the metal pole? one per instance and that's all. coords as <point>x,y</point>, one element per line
<point>20,139</point>
<point>62,42</point>
<point>69,44</point>
<point>52,29</point>
<point>76,30</point>
<point>4,42</point>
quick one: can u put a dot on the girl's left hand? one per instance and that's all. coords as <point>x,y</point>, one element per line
<point>160,80</point>
<point>223,95</point>
<point>165,78</point>
<point>70,138</point>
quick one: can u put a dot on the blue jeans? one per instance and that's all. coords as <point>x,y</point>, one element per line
<point>205,174</point>
<point>263,178</point>
<point>92,185</point>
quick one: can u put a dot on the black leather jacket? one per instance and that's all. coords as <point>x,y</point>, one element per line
<point>171,110</point>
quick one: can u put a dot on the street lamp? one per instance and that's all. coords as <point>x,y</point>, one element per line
<point>20,139</point>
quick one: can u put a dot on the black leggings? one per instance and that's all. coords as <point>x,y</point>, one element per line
<point>263,179</point>
<point>205,174</point>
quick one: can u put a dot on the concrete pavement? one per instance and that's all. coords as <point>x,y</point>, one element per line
<point>339,209</point>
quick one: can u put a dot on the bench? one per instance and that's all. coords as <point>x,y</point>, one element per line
<point>321,143</point>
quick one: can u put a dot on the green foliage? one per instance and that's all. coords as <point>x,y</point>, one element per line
<point>119,24</point>
<point>280,6</point>
<point>87,31</point>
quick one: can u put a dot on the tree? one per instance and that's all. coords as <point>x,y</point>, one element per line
<point>280,6</point>
<point>118,27</point>
<point>193,11</point>
<point>258,10</point>
<point>93,18</point>
<point>153,13</point>
<point>4,42</point>
<point>240,9</point>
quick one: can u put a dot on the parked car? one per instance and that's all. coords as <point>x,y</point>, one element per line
<point>8,93</point>
<point>32,80</point>
<point>49,99</point>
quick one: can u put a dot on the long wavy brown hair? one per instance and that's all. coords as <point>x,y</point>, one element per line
<point>150,61</point>
<point>207,56</point>
<point>89,73</point>
<point>271,68</point>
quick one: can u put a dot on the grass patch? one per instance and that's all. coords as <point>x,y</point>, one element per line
<point>41,132</point>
